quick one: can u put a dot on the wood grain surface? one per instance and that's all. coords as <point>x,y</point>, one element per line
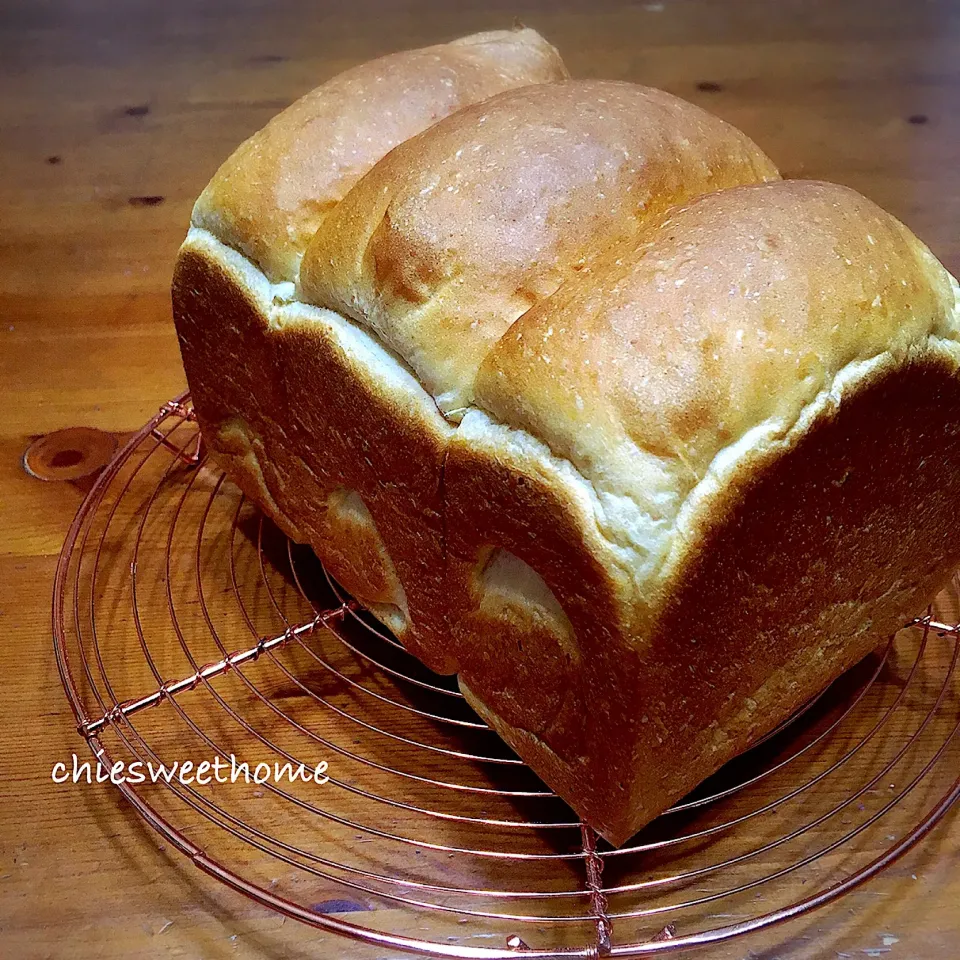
<point>112,118</point>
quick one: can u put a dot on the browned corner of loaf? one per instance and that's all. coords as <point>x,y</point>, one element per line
<point>238,391</point>
<point>308,432</point>
<point>547,692</point>
<point>222,330</point>
<point>810,561</point>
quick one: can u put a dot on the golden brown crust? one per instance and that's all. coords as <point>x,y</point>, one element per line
<point>737,308</point>
<point>460,230</point>
<point>658,429</point>
<point>387,446</point>
<point>268,199</point>
<point>809,559</point>
<point>231,367</point>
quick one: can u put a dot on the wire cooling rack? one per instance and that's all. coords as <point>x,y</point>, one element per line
<point>187,628</point>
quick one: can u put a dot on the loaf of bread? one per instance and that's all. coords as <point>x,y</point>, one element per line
<point>581,400</point>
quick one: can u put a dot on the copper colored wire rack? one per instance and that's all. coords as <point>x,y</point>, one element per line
<point>187,628</point>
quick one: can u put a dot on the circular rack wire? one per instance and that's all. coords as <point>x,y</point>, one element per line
<point>188,628</point>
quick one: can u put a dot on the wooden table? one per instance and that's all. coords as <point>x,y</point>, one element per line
<point>113,117</point>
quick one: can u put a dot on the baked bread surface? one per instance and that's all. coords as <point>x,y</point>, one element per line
<point>583,409</point>
<point>460,230</point>
<point>268,199</point>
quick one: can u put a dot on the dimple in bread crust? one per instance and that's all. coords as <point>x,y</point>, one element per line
<point>598,673</point>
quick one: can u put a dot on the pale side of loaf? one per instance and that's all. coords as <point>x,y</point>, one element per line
<point>648,469</point>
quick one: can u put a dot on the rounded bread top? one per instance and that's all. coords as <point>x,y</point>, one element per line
<point>270,196</point>
<point>730,312</point>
